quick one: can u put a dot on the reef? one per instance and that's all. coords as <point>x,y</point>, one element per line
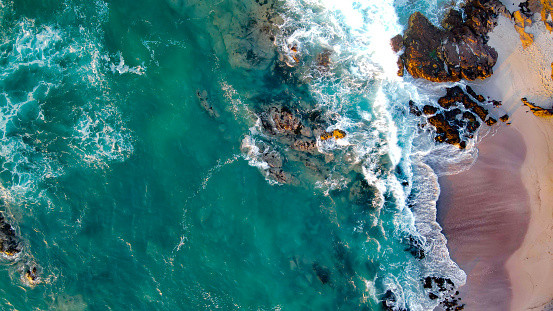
<point>293,134</point>
<point>457,51</point>
<point>538,111</point>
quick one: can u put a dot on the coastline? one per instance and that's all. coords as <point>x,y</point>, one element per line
<point>497,216</point>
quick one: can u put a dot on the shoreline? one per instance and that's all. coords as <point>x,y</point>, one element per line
<point>497,215</point>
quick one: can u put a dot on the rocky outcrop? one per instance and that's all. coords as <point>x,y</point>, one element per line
<point>9,243</point>
<point>443,289</point>
<point>522,21</point>
<point>458,116</point>
<point>458,51</point>
<point>538,111</point>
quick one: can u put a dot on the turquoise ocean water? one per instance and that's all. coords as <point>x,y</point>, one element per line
<point>128,195</point>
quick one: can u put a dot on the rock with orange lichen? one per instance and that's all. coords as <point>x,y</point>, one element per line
<point>326,135</point>
<point>457,52</point>
<point>9,243</point>
<point>538,111</point>
<point>337,134</point>
<point>547,14</point>
<point>522,21</point>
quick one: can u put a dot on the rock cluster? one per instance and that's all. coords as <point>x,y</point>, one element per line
<point>293,137</point>
<point>458,116</point>
<point>443,289</point>
<point>458,51</point>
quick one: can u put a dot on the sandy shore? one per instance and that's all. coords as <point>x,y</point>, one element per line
<point>484,212</point>
<point>498,216</point>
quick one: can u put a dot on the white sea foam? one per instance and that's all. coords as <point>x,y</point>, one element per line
<point>364,80</point>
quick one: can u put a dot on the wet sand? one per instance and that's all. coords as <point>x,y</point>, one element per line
<point>484,212</point>
<point>498,216</point>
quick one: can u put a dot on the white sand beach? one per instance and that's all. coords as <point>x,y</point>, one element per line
<point>510,187</point>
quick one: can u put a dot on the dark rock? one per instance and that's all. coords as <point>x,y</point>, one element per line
<point>280,176</point>
<point>337,134</point>
<point>432,296</point>
<point>323,59</point>
<point>361,193</point>
<point>452,19</point>
<point>304,145</point>
<point>323,273</point>
<point>416,248</point>
<point>496,103</point>
<point>459,51</point>
<point>472,93</point>
<point>429,110</point>
<point>397,43</point>
<point>284,121</point>
<point>422,41</point>
<point>413,109</point>
<point>389,302</point>
<point>9,243</point>
<point>491,121</point>
<point>453,96</point>
<point>272,158</point>
<point>452,114</point>
<point>205,103</point>
<point>504,118</point>
<point>446,132</point>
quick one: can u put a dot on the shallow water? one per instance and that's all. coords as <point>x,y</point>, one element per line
<point>129,195</point>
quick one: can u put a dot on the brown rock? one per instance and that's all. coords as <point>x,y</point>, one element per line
<point>491,121</point>
<point>305,145</point>
<point>445,132</point>
<point>397,43</point>
<point>522,21</point>
<point>458,52</point>
<point>9,243</point>
<point>429,110</point>
<point>472,93</point>
<point>413,109</point>
<point>452,19</point>
<point>504,118</point>
<point>422,41</point>
<point>538,111</point>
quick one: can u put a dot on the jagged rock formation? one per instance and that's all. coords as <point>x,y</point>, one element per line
<point>9,243</point>
<point>453,125</point>
<point>522,21</point>
<point>459,51</point>
<point>291,136</point>
<point>538,111</point>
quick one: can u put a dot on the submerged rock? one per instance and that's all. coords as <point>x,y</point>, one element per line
<point>538,111</point>
<point>323,273</point>
<point>206,105</point>
<point>9,243</point>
